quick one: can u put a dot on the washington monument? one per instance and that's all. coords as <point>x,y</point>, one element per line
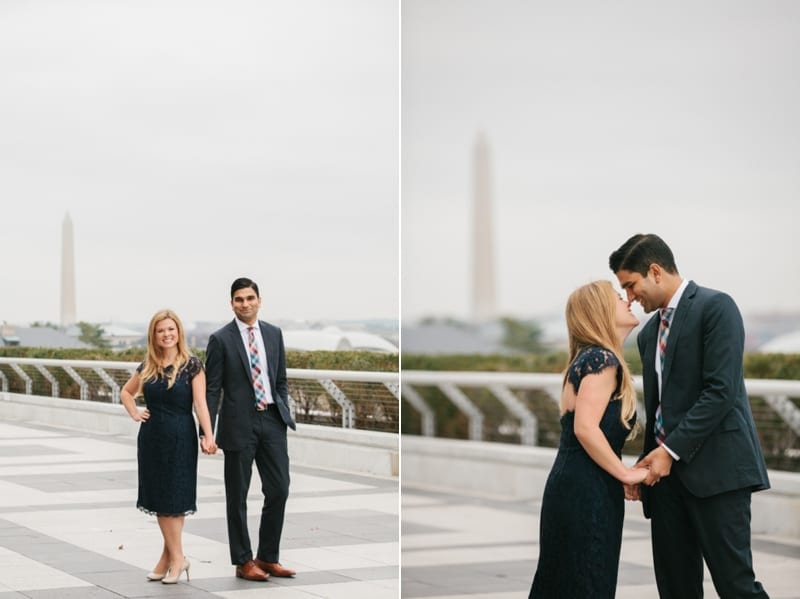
<point>67,273</point>
<point>483,296</point>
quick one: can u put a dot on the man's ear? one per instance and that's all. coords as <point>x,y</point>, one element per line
<point>655,271</point>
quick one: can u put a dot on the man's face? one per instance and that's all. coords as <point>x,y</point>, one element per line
<point>642,289</point>
<point>246,304</point>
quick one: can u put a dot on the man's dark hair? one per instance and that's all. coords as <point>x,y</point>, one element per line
<point>244,283</point>
<point>639,252</point>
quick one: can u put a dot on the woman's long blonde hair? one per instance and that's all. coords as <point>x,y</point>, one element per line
<point>592,320</point>
<point>152,368</point>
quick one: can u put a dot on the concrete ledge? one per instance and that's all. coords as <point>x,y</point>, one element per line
<point>514,472</point>
<point>346,450</point>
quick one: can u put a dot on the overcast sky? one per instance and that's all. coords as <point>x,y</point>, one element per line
<point>193,142</point>
<point>598,115</point>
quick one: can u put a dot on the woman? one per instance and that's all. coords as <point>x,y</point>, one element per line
<point>584,500</point>
<point>171,382</point>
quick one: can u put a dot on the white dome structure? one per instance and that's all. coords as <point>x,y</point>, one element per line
<point>783,344</point>
<point>333,339</point>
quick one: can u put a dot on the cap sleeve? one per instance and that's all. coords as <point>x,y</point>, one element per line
<point>590,360</point>
<point>193,367</point>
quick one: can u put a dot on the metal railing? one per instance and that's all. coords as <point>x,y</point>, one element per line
<point>524,408</point>
<point>350,399</point>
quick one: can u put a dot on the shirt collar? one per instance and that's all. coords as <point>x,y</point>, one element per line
<point>243,327</point>
<point>676,297</point>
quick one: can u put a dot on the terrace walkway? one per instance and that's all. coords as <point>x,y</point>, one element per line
<point>69,527</point>
<point>470,547</point>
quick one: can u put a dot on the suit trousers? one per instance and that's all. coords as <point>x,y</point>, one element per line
<point>687,529</point>
<point>267,446</point>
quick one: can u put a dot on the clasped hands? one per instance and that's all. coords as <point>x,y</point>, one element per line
<point>649,470</point>
<point>208,446</point>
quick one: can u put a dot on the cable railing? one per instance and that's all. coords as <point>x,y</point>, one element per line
<point>346,398</point>
<point>523,408</point>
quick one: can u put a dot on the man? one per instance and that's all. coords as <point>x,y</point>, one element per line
<point>700,442</point>
<point>246,370</point>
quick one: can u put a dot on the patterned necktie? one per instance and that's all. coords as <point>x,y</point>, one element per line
<point>663,333</point>
<point>255,369</point>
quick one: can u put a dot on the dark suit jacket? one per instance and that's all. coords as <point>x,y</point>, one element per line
<point>705,407</point>
<point>229,387</point>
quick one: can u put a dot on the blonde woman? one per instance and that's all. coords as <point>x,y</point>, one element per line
<point>171,382</point>
<point>584,499</point>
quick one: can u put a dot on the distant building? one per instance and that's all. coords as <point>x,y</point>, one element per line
<point>783,344</point>
<point>483,292</point>
<point>68,310</point>
<point>450,338</point>
<point>39,337</point>
<point>121,337</point>
<point>334,339</point>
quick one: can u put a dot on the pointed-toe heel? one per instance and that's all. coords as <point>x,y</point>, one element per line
<point>156,576</point>
<point>174,579</point>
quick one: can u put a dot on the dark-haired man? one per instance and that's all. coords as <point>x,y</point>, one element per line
<point>246,369</point>
<point>700,442</point>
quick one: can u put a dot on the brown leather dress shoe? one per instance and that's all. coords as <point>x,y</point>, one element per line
<point>251,571</point>
<point>274,568</point>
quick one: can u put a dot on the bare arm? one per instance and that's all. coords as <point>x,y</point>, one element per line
<point>590,405</point>
<point>128,398</point>
<point>201,409</point>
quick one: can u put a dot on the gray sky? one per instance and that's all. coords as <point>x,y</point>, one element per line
<point>171,130</point>
<point>597,115</point>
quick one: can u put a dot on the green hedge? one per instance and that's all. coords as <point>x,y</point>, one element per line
<point>316,360</point>
<point>756,366</point>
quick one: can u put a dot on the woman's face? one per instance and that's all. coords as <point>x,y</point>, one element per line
<point>625,317</point>
<point>166,334</point>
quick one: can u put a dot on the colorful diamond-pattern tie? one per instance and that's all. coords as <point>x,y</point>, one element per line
<point>663,333</point>
<point>255,369</point>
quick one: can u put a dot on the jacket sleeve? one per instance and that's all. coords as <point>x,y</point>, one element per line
<point>281,381</point>
<point>215,360</point>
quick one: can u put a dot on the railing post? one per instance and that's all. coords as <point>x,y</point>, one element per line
<point>110,382</point>
<point>786,410</point>
<point>81,383</point>
<point>428,419</point>
<point>463,403</point>
<point>24,376</point>
<point>348,410</point>
<point>52,380</point>
<point>529,429</point>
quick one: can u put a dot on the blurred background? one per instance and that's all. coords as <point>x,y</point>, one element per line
<point>537,137</point>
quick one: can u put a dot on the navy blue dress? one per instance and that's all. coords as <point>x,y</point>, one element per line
<point>167,446</point>
<point>580,529</point>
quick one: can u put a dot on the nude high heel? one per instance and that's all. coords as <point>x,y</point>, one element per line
<point>173,579</point>
<point>156,576</point>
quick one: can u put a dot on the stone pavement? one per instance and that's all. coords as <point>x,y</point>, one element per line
<point>456,546</point>
<point>69,527</point>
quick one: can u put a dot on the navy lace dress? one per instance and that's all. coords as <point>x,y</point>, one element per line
<point>580,530</point>
<point>167,446</point>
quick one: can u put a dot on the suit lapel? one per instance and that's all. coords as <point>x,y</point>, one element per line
<point>235,337</point>
<point>272,356</point>
<point>678,319</point>
<point>648,364</point>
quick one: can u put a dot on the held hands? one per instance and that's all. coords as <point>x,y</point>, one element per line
<point>208,445</point>
<point>635,475</point>
<point>632,481</point>
<point>632,492</point>
<point>658,462</point>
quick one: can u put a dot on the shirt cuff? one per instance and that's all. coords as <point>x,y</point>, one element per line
<point>674,455</point>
